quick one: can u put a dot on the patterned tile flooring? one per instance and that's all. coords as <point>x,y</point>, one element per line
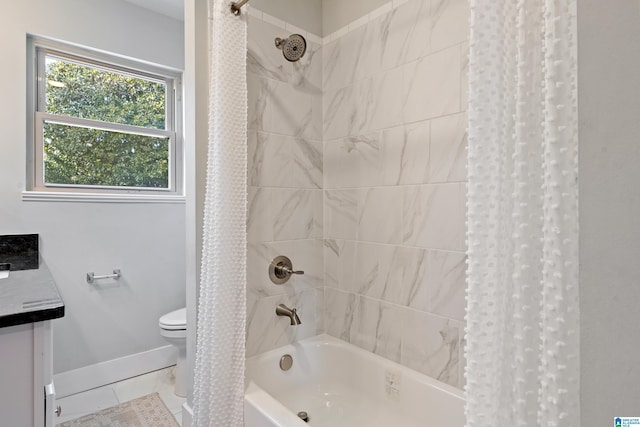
<point>90,401</point>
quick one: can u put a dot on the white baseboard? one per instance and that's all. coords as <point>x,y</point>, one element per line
<point>111,371</point>
<point>187,415</point>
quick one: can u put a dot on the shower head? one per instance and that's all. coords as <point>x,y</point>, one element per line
<point>293,48</point>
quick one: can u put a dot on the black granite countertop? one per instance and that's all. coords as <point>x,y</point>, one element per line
<point>28,296</point>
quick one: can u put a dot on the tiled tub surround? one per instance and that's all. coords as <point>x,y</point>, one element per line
<point>340,385</point>
<point>285,184</point>
<point>357,173</point>
<point>394,185</point>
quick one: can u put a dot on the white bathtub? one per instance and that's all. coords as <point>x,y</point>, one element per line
<point>341,385</point>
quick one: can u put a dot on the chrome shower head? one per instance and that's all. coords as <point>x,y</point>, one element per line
<point>293,48</point>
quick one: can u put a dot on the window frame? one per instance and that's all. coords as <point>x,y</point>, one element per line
<point>36,188</point>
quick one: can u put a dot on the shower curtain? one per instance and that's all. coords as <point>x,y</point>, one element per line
<point>220,355</point>
<point>522,300</point>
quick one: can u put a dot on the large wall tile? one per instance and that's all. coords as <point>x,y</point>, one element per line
<point>297,213</point>
<point>405,33</point>
<point>263,58</point>
<point>434,281</point>
<point>269,159</point>
<point>434,216</point>
<point>464,75</point>
<point>331,258</point>
<point>266,330</point>
<point>259,102</point>
<point>380,214</point>
<point>430,345</point>
<point>385,100</point>
<point>259,215</point>
<point>345,110</point>
<point>310,68</point>
<point>340,59</point>
<point>307,163</point>
<point>419,40</point>
<point>340,264</point>
<point>259,256</point>
<point>340,310</point>
<point>353,161</point>
<point>432,86</point>
<point>377,273</point>
<point>449,147</point>
<point>340,214</point>
<point>449,23</point>
<point>316,128</point>
<point>291,112</point>
<point>407,154</point>
<point>369,55</point>
<point>376,328</point>
<point>392,155</point>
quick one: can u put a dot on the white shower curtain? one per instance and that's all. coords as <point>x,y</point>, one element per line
<point>522,301</point>
<point>220,354</point>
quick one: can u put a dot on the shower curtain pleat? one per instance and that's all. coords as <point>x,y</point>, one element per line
<point>522,317</point>
<point>220,355</point>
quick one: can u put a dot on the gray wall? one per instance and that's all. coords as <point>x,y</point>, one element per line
<point>110,321</point>
<point>609,109</point>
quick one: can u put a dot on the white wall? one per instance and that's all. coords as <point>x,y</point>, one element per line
<point>306,14</point>
<point>338,13</point>
<point>609,110</point>
<point>146,241</point>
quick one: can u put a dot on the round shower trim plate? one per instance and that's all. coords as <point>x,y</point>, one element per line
<point>275,269</point>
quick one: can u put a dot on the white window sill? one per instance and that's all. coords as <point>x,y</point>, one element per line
<point>47,196</point>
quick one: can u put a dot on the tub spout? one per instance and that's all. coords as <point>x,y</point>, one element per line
<point>291,313</point>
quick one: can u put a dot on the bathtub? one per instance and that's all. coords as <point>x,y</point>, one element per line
<point>339,385</point>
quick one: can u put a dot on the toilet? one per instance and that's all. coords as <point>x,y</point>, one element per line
<point>173,327</point>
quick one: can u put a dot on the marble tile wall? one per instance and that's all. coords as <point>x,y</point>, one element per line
<point>285,196</point>
<point>394,134</point>
<point>357,172</point>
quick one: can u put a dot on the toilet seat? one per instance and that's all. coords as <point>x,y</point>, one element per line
<point>174,321</point>
<point>173,328</point>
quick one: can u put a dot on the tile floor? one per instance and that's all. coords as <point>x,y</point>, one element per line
<point>90,401</point>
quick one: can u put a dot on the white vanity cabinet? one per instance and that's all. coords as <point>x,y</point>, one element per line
<point>27,395</point>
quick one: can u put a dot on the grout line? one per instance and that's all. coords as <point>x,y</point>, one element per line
<point>400,306</point>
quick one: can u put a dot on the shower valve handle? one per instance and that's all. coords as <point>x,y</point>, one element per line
<point>281,269</point>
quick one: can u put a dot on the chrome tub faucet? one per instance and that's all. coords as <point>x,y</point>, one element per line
<point>291,313</point>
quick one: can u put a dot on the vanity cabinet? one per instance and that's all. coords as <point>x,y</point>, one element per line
<point>29,300</point>
<point>27,395</point>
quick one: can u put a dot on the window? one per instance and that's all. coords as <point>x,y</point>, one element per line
<point>102,123</point>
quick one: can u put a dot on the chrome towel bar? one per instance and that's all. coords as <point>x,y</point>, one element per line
<point>91,277</point>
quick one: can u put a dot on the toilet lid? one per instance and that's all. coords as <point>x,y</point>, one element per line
<point>174,320</point>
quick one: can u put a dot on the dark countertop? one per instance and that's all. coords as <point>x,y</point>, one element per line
<point>29,296</point>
